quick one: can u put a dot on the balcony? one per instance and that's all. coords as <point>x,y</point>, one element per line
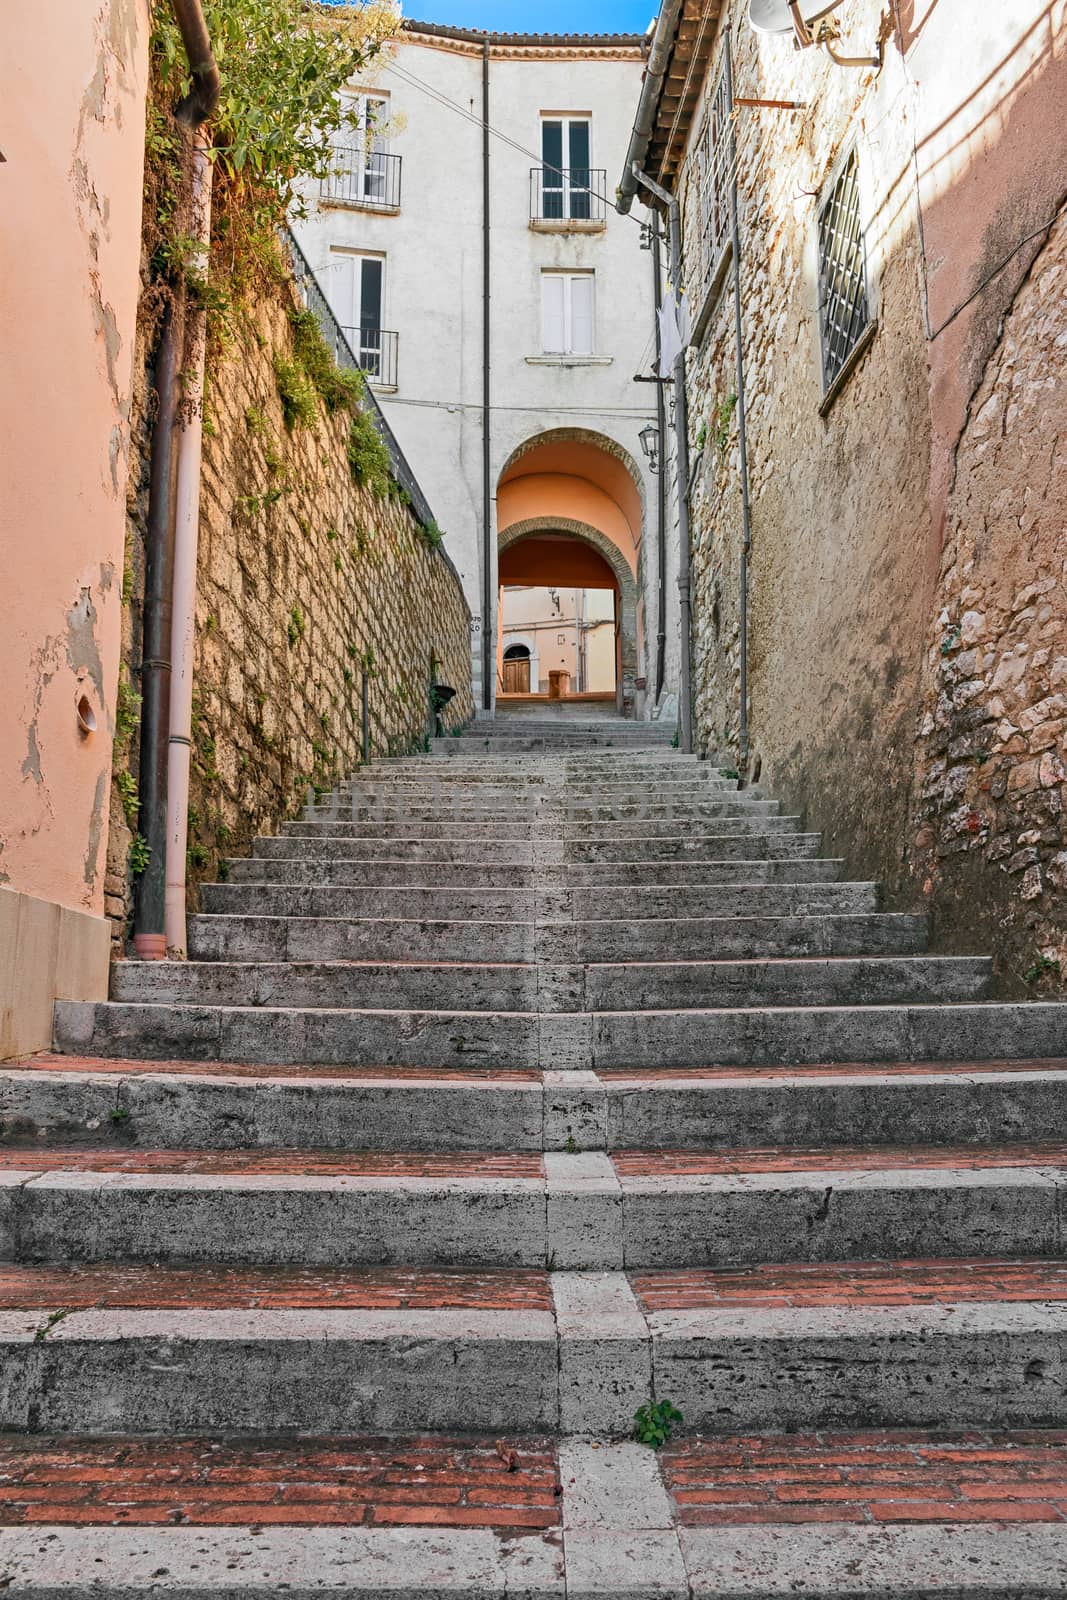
<point>568,199</point>
<point>369,181</point>
<point>376,350</point>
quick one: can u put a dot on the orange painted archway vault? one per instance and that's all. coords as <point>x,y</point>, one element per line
<point>570,512</point>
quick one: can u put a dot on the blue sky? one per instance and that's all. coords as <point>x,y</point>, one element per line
<point>538,16</point>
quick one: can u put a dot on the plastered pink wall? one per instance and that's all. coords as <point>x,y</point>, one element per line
<point>548,494</point>
<point>72,133</point>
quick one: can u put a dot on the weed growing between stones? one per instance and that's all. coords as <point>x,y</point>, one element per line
<point>654,1423</point>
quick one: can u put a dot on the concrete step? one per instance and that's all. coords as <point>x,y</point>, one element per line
<point>529,987</point>
<point>602,903</point>
<point>523,874</point>
<point>479,1518</point>
<point>585,1211</point>
<point>696,781</point>
<point>750,1036</point>
<point>468,847</point>
<point>288,938</point>
<point>181,1105</point>
<point>497,744</point>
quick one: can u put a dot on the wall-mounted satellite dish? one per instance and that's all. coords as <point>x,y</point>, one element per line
<point>776,16</point>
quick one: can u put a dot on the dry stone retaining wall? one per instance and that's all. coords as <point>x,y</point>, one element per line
<point>305,578</point>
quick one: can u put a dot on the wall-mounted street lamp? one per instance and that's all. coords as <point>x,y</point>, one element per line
<point>649,437</point>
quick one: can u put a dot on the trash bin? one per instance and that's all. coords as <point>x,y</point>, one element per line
<point>558,683</point>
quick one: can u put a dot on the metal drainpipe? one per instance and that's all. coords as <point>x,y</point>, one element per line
<point>661,476</point>
<point>186,531</point>
<point>681,449</point>
<point>149,940</point>
<point>742,436</point>
<point>488,650</point>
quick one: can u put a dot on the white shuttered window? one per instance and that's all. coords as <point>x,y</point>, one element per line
<point>567,311</point>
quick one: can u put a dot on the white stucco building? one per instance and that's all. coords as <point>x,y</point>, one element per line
<point>502,308</point>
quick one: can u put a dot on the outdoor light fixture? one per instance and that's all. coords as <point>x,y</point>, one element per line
<point>649,437</point>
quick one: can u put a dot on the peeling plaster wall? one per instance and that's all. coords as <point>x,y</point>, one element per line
<point>73,138</point>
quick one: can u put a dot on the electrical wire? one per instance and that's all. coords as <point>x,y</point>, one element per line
<point>634,413</point>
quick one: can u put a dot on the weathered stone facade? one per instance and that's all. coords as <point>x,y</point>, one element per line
<point>906,504</point>
<point>991,838</point>
<point>305,579</point>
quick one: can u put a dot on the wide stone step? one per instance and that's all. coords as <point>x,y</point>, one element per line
<point>530,987</point>
<point>523,874</point>
<point>496,744</point>
<point>470,848</point>
<point>283,938</point>
<point>504,828</point>
<point>189,1105</point>
<point>743,1036</point>
<point>585,1211</point>
<point>607,903</point>
<point>172,1351</point>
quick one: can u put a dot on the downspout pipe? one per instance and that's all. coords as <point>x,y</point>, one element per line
<point>186,535</point>
<point>661,474</point>
<point>742,433</point>
<point>681,452</point>
<point>488,641</point>
<point>659,57</point>
<point>149,939</point>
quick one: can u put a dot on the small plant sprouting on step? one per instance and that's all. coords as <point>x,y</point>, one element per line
<point>120,1116</point>
<point>571,1146</point>
<point>654,1423</point>
<point>675,739</point>
<point>1043,967</point>
<point>732,773</point>
<point>41,1334</point>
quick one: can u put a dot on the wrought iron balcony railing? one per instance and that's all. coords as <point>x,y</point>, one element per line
<point>366,178</point>
<point>568,194</point>
<point>376,350</point>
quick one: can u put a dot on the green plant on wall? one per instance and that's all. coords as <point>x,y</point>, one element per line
<point>721,418</point>
<point>296,627</point>
<point>368,457</point>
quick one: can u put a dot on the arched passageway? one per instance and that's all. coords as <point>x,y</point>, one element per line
<point>570,513</point>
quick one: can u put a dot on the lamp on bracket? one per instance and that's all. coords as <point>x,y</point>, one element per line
<point>649,437</point>
<point>811,22</point>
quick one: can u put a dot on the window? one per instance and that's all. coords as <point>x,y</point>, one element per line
<point>844,310</point>
<point>567,313</point>
<point>357,293</point>
<point>364,173</point>
<point>713,183</point>
<point>565,170</point>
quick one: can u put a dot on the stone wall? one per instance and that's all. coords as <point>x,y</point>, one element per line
<point>837,603</point>
<point>305,579</point>
<point>906,658</point>
<point>991,839</point>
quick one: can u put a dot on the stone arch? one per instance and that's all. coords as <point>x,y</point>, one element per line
<point>625,585</point>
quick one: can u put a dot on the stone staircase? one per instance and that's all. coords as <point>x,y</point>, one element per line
<point>510,1090</point>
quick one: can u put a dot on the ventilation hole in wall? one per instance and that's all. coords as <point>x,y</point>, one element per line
<point>86,716</point>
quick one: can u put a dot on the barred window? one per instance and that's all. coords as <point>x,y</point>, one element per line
<point>713,181</point>
<point>844,310</point>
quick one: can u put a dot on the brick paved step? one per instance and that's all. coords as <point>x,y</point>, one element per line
<point>740,1037</point>
<point>585,1211</point>
<point>508,873</point>
<point>279,938</point>
<point>470,849</point>
<point>458,903</point>
<point>188,1105</point>
<point>528,987</point>
<point>176,1352</point>
<point>619,1534</point>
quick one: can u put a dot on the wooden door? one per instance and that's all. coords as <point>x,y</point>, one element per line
<point>517,676</point>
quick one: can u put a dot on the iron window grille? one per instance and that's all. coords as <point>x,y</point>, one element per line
<point>376,350</point>
<point>844,308</point>
<point>713,182</point>
<point>362,177</point>
<point>568,194</point>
